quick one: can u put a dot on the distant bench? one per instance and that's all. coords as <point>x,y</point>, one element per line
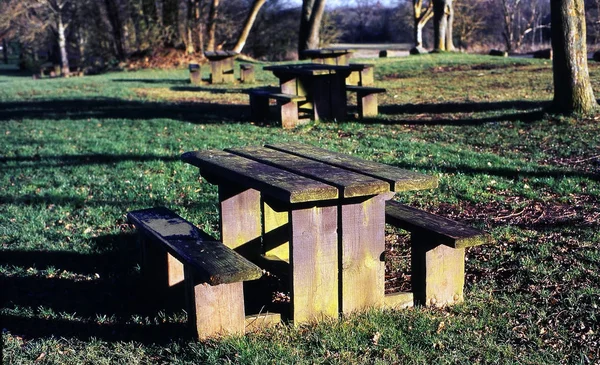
<point>175,250</point>
<point>437,252</point>
<point>287,104</point>
<point>366,99</point>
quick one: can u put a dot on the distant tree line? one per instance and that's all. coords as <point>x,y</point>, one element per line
<point>104,32</point>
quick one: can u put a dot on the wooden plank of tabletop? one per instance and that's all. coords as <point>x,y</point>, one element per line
<point>277,183</point>
<point>351,184</point>
<point>399,179</point>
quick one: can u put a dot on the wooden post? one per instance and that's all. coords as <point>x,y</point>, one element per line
<point>438,271</point>
<point>195,73</point>
<point>339,99</point>
<point>289,114</point>
<point>247,73</point>
<point>367,104</point>
<point>229,70</point>
<point>159,268</point>
<point>367,76</point>
<point>276,233</point>
<point>216,72</point>
<point>214,310</point>
<point>314,258</point>
<point>241,220</point>
<point>259,107</point>
<point>363,244</point>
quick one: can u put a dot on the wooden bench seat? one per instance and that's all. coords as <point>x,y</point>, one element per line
<point>175,250</point>
<point>195,73</point>
<point>366,99</point>
<point>287,103</point>
<point>362,74</point>
<point>437,252</point>
<point>247,73</point>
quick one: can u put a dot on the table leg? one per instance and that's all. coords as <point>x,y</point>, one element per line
<point>229,70</point>
<point>241,220</point>
<point>320,91</point>
<point>363,246</point>
<point>339,99</point>
<point>314,261</point>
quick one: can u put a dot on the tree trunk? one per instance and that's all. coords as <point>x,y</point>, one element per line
<point>212,25</point>
<point>572,89</point>
<point>256,5</point>
<point>182,23</point>
<point>198,29</point>
<point>420,18</point>
<point>310,25</point>
<point>62,44</point>
<point>443,16</point>
<point>158,5</point>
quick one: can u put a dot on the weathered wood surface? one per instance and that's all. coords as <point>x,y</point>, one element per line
<point>438,271</point>
<point>261,321</point>
<point>446,231</point>
<point>240,219</point>
<point>314,260</point>
<point>365,89</point>
<point>247,73</point>
<point>307,69</point>
<point>362,246</point>
<point>211,55</point>
<point>271,181</point>
<point>212,262</point>
<point>351,184</point>
<point>366,99</point>
<point>215,310</point>
<point>276,233</point>
<point>399,300</point>
<point>399,179</point>
<point>362,74</point>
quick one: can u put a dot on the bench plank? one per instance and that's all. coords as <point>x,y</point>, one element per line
<point>451,233</point>
<point>213,262</point>
<point>365,89</point>
<point>399,179</point>
<point>351,184</point>
<point>279,184</point>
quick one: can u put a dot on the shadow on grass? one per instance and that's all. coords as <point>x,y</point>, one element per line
<point>193,112</point>
<point>82,160</point>
<point>155,81</point>
<point>88,295</point>
<point>508,172</point>
<point>209,89</point>
<point>533,111</point>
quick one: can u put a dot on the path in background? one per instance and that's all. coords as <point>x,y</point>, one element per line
<point>372,50</point>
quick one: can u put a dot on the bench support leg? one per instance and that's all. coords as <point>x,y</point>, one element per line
<point>195,77</point>
<point>214,310</point>
<point>314,252</point>
<point>367,104</point>
<point>159,268</point>
<point>259,108</point>
<point>247,75</point>
<point>438,272</point>
<point>289,114</point>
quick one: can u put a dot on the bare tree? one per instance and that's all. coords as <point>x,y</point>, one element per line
<point>310,24</point>
<point>250,19</point>
<point>470,23</point>
<point>572,88</point>
<point>422,13</point>
<point>212,25</point>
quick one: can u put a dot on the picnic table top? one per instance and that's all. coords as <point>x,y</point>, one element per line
<point>327,51</point>
<point>297,173</point>
<point>217,55</point>
<point>307,69</point>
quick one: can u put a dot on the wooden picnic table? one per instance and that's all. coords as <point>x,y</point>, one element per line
<point>221,66</point>
<point>329,56</point>
<point>324,87</point>
<point>321,211</point>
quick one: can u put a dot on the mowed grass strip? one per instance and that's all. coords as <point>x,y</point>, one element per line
<point>77,154</point>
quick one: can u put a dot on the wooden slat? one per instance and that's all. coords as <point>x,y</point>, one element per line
<point>449,232</point>
<point>212,261</point>
<point>399,179</point>
<point>365,89</point>
<point>351,184</point>
<point>279,184</point>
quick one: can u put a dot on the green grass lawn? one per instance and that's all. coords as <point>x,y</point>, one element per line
<point>77,154</point>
